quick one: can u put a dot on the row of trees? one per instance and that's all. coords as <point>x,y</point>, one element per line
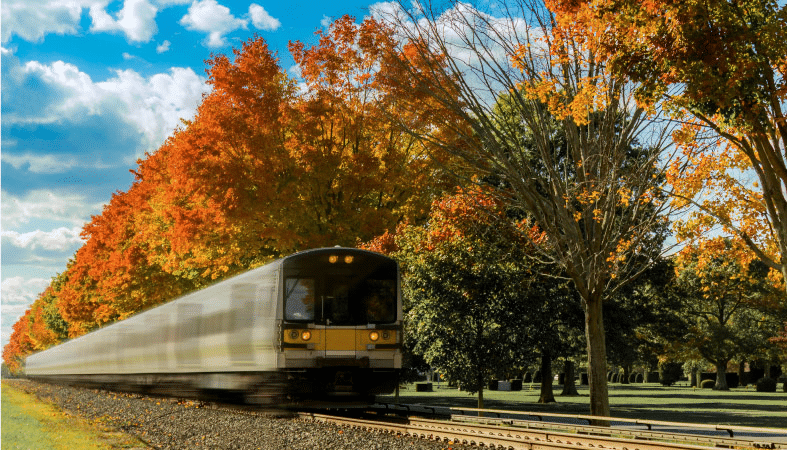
<point>481,306</point>
<point>575,144</point>
<point>265,168</point>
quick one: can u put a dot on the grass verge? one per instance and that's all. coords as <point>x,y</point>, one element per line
<point>29,423</point>
<point>651,401</point>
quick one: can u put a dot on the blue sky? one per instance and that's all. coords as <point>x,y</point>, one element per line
<point>89,86</point>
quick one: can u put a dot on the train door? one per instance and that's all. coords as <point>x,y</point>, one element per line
<point>338,314</point>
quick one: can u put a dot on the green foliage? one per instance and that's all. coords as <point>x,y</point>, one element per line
<point>642,317</point>
<point>464,318</point>
<point>670,372</point>
<point>731,307</point>
<point>469,290</point>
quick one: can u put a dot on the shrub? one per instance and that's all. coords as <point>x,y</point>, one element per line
<point>670,372</point>
<point>766,385</point>
<point>708,384</point>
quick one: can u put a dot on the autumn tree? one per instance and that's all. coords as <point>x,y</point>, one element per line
<point>728,298</point>
<point>595,202</point>
<point>264,169</point>
<point>468,290</point>
<point>19,346</point>
<point>721,64</point>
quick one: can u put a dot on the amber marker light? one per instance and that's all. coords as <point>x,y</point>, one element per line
<point>348,259</point>
<point>374,336</point>
<point>332,259</point>
<point>306,335</point>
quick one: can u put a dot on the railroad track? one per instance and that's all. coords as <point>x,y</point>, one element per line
<point>515,434</point>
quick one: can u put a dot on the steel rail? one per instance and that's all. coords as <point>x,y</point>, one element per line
<point>494,436</point>
<point>627,432</point>
<point>730,429</point>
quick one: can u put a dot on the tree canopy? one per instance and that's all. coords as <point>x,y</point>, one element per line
<point>265,168</point>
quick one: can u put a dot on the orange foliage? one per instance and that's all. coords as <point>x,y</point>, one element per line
<point>20,345</point>
<point>262,170</point>
<point>727,81</point>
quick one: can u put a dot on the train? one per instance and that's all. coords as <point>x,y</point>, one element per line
<point>319,325</point>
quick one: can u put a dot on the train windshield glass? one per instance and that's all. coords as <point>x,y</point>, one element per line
<point>299,299</point>
<point>358,302</point>
<point>343,289</point>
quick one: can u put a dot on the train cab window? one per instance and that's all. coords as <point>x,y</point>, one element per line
<point>380,301</point>
<point>299,299</point>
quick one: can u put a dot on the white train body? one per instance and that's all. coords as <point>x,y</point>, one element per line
<point>306,326</point>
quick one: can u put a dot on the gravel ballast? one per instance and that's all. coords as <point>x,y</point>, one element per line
<point>187,424</point>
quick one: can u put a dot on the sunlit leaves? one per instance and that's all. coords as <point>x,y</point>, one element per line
<point>264,169</point>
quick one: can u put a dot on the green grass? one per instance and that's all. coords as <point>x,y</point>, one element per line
<point>29,423</point>
<point>740,406</point>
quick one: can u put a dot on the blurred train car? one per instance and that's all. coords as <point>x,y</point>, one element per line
<point>322,324</point>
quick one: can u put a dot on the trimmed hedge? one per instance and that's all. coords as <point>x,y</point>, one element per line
<point>766,385</point>
<point>708,384</point>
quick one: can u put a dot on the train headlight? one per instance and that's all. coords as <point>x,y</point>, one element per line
<point>294,334</point>
<point>386,335</point>
<point>306,335</point>
<point>374,336</point>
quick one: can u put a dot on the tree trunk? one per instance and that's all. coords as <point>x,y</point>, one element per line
<point>721,376</point>
<point>742,381</point>
<point>480,399</point>
<point>597,358</point>
<point>569,386</point>
<point>547,395</point>
<point>693,378</point>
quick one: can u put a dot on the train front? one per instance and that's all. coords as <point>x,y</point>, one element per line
<point>341,324</point>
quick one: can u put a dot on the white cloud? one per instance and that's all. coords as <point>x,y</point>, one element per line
<point>208,16</point>
<point>137,20</point>
<point>33,19</point>
<point>41,204</point>
<point>163,47</point>
<point>59,240</point>
<point>326,21</point>
<point>18,291</point>
<point>39,163</point>
<point>167,3</point>
<point>261,19</point>
<point>153,106</point>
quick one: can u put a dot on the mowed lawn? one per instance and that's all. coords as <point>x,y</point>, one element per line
<point>30,424</point>
<point>651,401</point>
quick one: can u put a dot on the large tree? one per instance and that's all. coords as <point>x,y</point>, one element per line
<point>468,291</point>
<point>721,64</point>
<point>594,199</point>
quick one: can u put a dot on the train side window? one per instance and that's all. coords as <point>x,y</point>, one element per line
<point>299,299</point>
